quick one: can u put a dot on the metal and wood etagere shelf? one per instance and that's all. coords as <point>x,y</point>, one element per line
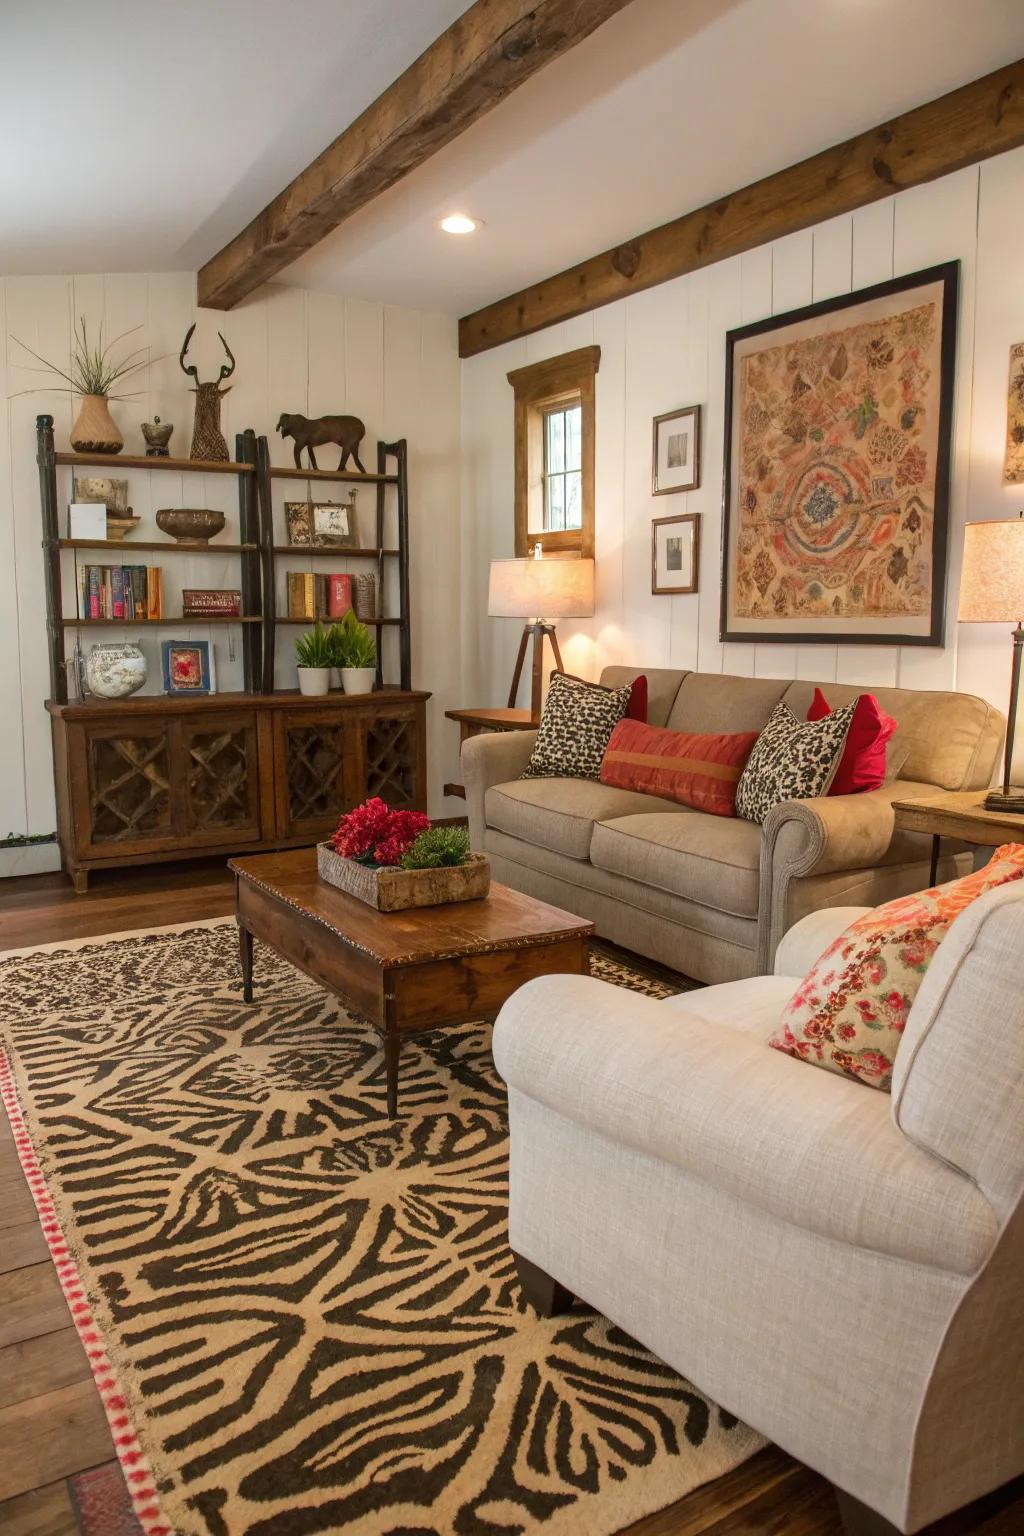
<point>150,778</point>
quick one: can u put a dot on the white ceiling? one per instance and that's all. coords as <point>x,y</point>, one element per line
<point>143,136</point>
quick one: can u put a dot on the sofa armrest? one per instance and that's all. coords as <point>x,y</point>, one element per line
<point>808,939</point>
<point>719,1104</point>
<point>494,757</point>
<point>820,837</point>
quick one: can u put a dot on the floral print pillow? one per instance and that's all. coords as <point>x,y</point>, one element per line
<point>849,1013</point>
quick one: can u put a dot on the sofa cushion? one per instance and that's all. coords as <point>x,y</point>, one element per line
<point>953,739</point>
<point>701,771</point>
<point>575,725</point>
<point>707,701</point>
<point>708,859</point>
<point>662,687</point>
<point>560,813</point>
<point>751,1005</point>
<point>849,1012</point>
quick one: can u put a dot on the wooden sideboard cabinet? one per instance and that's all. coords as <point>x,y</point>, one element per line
<point>142,780</point>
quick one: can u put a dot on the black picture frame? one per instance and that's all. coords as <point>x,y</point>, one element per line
<point>947,275</point>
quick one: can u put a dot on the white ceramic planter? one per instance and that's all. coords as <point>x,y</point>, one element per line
<point>314,681</point>
<point>358,679</point>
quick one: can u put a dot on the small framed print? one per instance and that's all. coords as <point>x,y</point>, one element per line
<point>675,553</point>
<point>334,523</point>
<point>676,451</point>
<point>187,666</point>
<point>298,515</point>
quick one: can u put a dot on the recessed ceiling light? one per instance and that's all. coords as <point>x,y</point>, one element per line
<point>460,224</point>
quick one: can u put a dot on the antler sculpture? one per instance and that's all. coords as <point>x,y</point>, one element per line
<point>207,439</point>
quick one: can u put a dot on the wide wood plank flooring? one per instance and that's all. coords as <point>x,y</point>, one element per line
<point>52,1424</point>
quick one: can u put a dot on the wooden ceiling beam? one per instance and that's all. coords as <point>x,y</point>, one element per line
<point>483,56</point>
<point>981,119</point>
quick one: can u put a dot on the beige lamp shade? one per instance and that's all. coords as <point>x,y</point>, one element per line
<point>541,589</point>
<point>992,583</point>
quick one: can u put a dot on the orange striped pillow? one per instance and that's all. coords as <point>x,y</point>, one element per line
<point>702,771</point>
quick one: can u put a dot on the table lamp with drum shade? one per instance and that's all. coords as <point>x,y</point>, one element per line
<point>539,590</point>
<point>992,592</point>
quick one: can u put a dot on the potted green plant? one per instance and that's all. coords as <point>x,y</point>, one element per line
<point>93,375</point>
<point>356,653</point>
<point>313,658</point>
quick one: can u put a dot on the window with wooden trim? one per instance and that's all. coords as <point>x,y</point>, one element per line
<point>554,453</point>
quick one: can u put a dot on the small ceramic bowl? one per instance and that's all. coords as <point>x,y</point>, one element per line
<point>190,525</point>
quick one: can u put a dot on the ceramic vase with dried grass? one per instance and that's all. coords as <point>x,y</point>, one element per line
<point>95,430</point>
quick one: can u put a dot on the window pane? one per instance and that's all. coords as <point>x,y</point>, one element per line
<point>573,501</point>
<point>556,503</point>
<point>573,436</point>
<point>555,444</point>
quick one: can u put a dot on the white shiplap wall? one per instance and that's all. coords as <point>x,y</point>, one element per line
<point>296,351</point>
<point>665,348</point>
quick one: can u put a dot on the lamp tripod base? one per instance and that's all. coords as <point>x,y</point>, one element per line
<point>538,631</point>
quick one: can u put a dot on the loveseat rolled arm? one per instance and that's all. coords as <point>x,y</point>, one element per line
<point>820,837</point>
<point>494,757</point>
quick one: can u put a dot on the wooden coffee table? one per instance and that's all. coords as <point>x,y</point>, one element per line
<point>410,971</point>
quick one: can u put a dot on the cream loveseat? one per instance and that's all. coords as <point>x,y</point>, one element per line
<point>839,1268</point>
<point>709,895</point>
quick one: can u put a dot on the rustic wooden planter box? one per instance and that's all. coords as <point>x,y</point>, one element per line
<point>390,890</point>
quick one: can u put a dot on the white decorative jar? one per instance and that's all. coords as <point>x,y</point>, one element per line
<point>113,671</point>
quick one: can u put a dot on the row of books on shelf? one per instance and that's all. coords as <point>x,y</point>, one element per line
<point>313,596</point>
<point>120,592</point>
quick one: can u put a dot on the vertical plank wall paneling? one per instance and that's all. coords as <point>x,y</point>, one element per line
<point>295,351</point>
<point>666,348</point>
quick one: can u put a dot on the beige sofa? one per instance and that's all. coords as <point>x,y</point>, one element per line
<point>708,895</point>
<point>839,1268</point>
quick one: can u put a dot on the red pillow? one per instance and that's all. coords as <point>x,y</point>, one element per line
<point>702,771</point>
<point>862,765</point>
<point>636,709</point>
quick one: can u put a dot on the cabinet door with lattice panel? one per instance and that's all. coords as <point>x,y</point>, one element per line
<point>391,757</point>
<point>313,771</point>
<point>216,777</point>
<point>123,775</point>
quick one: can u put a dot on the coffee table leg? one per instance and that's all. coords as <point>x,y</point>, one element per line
<point>392,1047</point>
<point>933,874</point>
<point>245,955</point>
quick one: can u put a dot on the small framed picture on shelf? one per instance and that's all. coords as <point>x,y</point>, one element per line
<point>187,666</point>
<point>323,523</point>
<point>675,554</point>
<point>676,451</point>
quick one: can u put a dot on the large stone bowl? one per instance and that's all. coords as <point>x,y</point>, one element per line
<point>190,525</point>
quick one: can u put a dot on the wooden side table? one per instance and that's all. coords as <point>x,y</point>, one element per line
<point>472,722</point>
<point>960,815</point>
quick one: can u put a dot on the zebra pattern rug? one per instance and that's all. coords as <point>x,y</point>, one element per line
<point>304,1317</point>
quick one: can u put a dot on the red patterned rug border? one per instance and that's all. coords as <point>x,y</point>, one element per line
<point>138,1474</point>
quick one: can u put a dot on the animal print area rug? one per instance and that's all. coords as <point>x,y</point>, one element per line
<point>303,1317</point>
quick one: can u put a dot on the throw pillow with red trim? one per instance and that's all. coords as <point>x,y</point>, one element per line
<point>862,765</point>
<point>849,1013</point>
<point>697,770</point>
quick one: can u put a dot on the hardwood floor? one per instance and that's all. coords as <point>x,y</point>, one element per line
<point>52,1425</point>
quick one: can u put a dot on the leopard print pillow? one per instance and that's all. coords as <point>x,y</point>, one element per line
<point>575,727</point>
<point>791,761</point>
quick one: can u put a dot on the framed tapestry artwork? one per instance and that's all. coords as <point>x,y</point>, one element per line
<point>675,553</point>
<point>676,452</point>
<point>838,421</point>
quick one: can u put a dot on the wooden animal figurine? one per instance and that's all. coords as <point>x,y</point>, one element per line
<point>207,438</point>
<point>347,431</point>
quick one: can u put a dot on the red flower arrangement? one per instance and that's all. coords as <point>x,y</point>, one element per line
<point>374,834</point>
